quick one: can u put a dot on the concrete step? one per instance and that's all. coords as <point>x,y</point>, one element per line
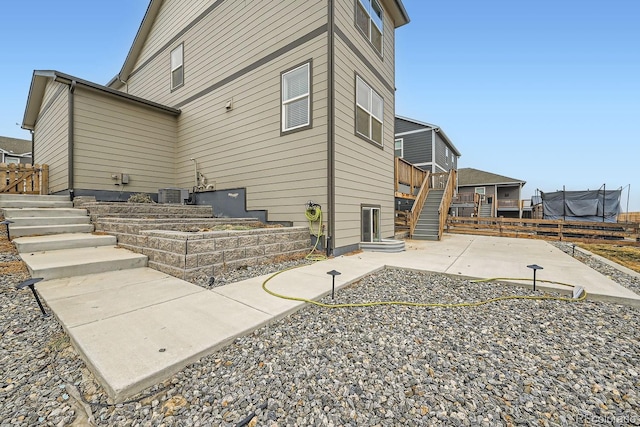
<point>81,261</point>
<point>4,197</point>
<point>41,230</point>
<point>56,242</point>
<point>36,204</point>
<point>47,221</point>
<point>11,213</point>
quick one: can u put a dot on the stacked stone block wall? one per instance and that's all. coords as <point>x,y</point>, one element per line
<point>196,257</point>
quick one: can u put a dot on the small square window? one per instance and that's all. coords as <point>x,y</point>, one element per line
<point>177,67</point>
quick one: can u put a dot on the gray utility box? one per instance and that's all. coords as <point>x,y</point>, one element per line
<point>173,195</point>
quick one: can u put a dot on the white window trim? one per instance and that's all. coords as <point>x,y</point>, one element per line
<point>401,146</point>
<point>483,192</point>
<point>368,6</point>
<point>286,102</point>
<point>370,113</point>
<point>177,66</point>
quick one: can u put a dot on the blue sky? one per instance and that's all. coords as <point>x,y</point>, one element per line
<point>545,91</point>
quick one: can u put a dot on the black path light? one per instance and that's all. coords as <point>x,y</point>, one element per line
<point>6,223</point>
<point>534,267</point>
<point>333,275</point>
<point>31,284</point>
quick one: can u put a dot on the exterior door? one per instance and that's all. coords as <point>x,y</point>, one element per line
<point>370,224</point>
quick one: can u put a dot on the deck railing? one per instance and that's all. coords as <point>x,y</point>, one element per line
<point>508,203</point>
<point>418,204</point>
<point>24,179</point>
<point>410,176</point>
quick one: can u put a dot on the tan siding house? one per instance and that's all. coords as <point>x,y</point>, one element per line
<point>291,101</point>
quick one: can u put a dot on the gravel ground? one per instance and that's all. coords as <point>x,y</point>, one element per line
<point>630,282</point>
<point>514,362</point>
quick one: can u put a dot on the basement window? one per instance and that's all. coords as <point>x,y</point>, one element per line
<point>296,98</point>
<point>177,67</point>
<point>369,18</point>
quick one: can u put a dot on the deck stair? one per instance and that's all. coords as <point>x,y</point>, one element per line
<point>429,220</point>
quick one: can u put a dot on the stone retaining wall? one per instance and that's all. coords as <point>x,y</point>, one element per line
<point>195,257</point>
<point>141,210</point>
<point>128,230</point>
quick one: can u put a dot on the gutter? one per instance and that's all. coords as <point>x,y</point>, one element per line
<point>70,145</point>
<point>331,140</point>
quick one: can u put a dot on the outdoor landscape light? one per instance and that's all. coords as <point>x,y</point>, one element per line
<point>333,274</point>
<point>6,222</point>
<point>31,284</point>
<point>534,267</point>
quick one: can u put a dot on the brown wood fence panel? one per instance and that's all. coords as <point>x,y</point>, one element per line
<point>24,179</point>
<point>623,233</point>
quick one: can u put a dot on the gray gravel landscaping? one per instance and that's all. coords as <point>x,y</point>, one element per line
<point>515,362</point>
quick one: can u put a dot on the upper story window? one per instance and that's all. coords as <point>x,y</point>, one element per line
<point>399,149</point>
<point>369,112</point>
<point>369,17</point>
<point>177,67</point>
<point>296,98</point>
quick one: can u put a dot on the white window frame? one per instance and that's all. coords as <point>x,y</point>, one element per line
<point>395,147</point>
<point>286,102</point>
<point>368,6</point>
<point>177,65</point>
<point>373,225</point>
<point>478,190</point>
<point>372,94</point>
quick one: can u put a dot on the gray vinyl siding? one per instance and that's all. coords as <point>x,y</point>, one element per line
<point>406,126</point>
<point>52,135</point>
<point>443,163</point>
<point>115,136</point>
<point>417,147</point>
<point>364,171</point>
<point>244,147</point>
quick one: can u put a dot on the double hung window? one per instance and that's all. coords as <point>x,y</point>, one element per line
<point>296,98</point>
<point>369,18</point>
<point>369,112</point>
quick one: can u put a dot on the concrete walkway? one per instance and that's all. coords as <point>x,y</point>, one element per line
<point>137,327</point>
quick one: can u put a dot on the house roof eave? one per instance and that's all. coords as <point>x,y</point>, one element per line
<point>39,83</point>
<point>437,129</point>
<point>136,47</point>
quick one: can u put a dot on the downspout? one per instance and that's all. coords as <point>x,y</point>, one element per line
<point>331,140</point>
<point>72,88</point>
<point>33,147</point>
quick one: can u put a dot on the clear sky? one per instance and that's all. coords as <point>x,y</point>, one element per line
<point>546,91</point>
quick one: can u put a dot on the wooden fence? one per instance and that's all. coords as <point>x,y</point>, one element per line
<point>629,217</point>
<point>24,179</point>
<point>576,231</point>
<point>409,178</point>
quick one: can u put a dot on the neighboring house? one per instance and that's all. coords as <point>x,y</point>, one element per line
<point>289,101</point>
<point>424,145</point>
<point>14,150</point>
<point>500,195</point>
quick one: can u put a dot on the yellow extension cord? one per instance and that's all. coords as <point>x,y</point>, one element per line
<point>420,304</point>
<point>315,214</point>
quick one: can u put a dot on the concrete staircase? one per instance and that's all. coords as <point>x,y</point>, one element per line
<point>55,240</point>
<point>429,221</point>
